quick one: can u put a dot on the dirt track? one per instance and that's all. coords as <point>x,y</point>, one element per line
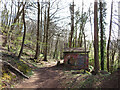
<point>46,77</point>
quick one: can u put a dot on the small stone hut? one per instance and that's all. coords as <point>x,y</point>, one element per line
<point>76,58</point>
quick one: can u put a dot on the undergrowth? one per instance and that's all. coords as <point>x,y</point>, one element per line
<point>8,78</point>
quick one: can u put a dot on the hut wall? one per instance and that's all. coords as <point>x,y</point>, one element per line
<point>76,60</point>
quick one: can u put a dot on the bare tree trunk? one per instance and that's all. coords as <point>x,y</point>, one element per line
<point>51,46</point>
<point>37,44</point>
<point>118,37</point>
<point>41,32</point>
<point>21,50</point>
<point>80,41</point>
<point>112,60</point>
<point>55,52</point>
<point>12,26</point>
<point>8,38</point>
<point>96,47</point>
<point>102,41</point>
<point>75,41</point>
<point>72,24</point>
<point>17,16</point>
<point>48,20</point>
<point>85,51</point>
<point>108,45</point>
<point>92,53</point>
<point>44,38</point>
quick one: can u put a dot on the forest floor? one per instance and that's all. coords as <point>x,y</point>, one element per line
<point>45,77</point>
<point>52,76</point>
<point>48,75</point>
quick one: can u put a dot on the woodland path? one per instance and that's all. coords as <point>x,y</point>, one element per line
<point>51,76</point>
<point>45,77</point>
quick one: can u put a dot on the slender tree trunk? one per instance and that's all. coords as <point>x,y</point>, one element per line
<point>8,35</point>
<point>85,51</point>
<point>12,26</point>
<point>48,20</point>
<point>96,46</point>
<point>112,60</point>
<point>92,53</point>
<point>41,32</point>
<point>55,52</point>
<point>72,24</point>
<point>118,38</point>
<point>108,45</point>
<point>91,25</point>
<point>44,38</point>
<point>21,50</point>
<point>17,16</point>
<point>81,28</point>
<point>102,41</point>
<point>80,41</point>
<point>75,43</point>
<point>51,46</point>
<point>37,44</point>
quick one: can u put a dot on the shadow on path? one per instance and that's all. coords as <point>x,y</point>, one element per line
<point>46,77</point>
